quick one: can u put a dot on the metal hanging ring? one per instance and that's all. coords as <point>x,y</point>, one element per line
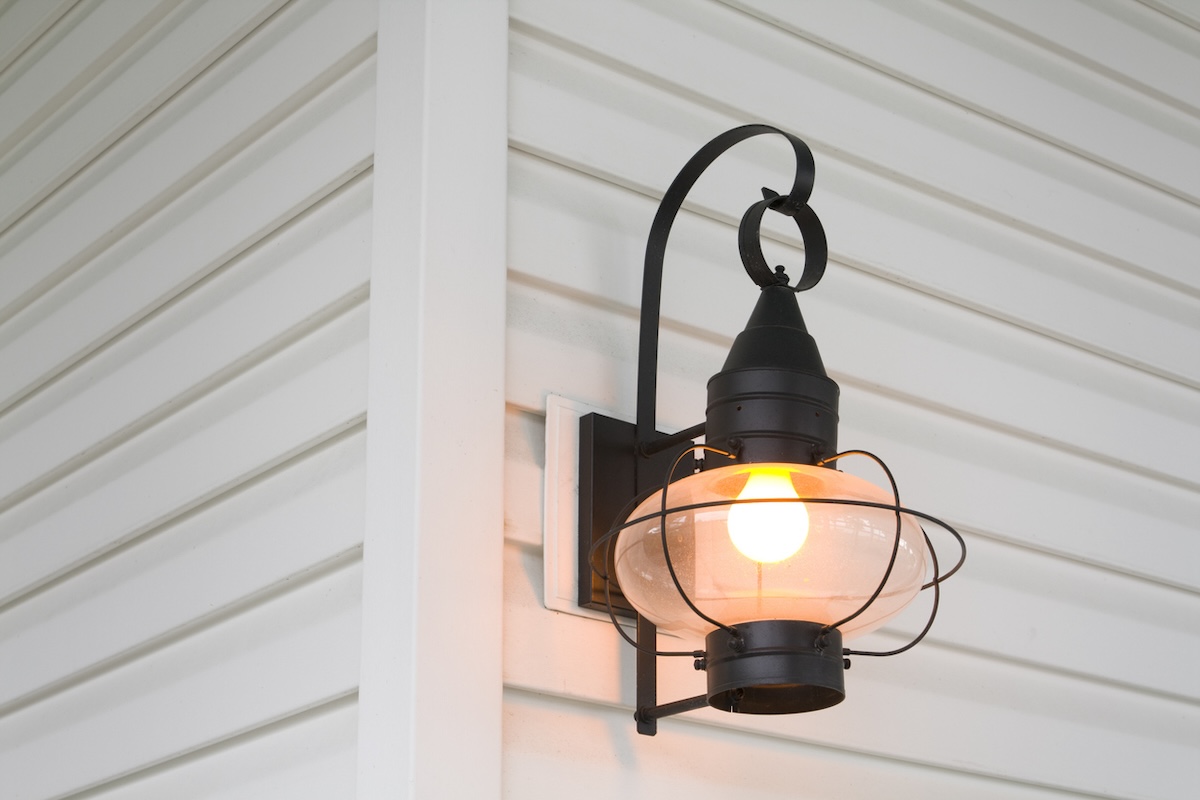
<point>816,249</point>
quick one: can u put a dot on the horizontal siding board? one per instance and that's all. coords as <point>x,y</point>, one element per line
<point>23,21</point>
<point>311,756</point>
<point>1045,729</point>
<point>1017,382</point>
<point>1040,497</point>
<point>305,394</point>
<point>1111,38</point>
<point>1013,315</point>
<point>695,760</point>
<point>961,711</point>
<point>1011,602</point>
<point>987,267</point>
<point>1059,614</point>
<point>984,369</point>
<point>984,68</point>
<point>309,513</point>
<point>936,146</point>
<point>1053,500</point>
<point>524,463</point>
<point>875,225</point>
<point>252,307</point>
<point>98,38</point>
<point>136,84</point>
<point>290,62</point>
<point>292,653</point>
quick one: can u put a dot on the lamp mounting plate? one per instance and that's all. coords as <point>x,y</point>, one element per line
<point>589,478</point>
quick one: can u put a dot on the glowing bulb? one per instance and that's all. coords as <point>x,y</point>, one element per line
<point>768,532</point>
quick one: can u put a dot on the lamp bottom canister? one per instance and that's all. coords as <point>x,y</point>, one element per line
<point>775,667</point>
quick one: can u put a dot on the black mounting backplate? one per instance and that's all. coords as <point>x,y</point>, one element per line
<point>611,475</point>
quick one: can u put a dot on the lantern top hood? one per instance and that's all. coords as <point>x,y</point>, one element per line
<point>772,400</point>
<point>775,337</point>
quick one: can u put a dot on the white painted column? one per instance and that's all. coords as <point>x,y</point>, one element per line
<point>430,700</point>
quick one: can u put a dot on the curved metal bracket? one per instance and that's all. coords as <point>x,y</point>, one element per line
<point>794,204</point>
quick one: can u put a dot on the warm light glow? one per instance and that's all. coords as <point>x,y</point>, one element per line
<point>768,532</point>
<point>845,552</point>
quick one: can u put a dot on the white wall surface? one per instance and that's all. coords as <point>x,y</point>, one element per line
<point>1012,309</point>
<point>185,229</point>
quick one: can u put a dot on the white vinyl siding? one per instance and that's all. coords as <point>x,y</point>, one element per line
<point>1011,309</point>
<point>185,233</point>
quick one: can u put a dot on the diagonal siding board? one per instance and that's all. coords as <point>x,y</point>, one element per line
<point>222,439</point>
<point>291,168</point>
<point>291,61</point>
<point>183,323</point>
<point>23,21</point>
<point>125,94</point>
<point>100,34</point>
<point>293,652</point>
<point>278,289</point>
<point>261,536</point>
<point>310,756</point>
<point>1184,11</point>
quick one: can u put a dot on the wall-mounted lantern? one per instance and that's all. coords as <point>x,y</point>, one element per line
<point>753,539</point>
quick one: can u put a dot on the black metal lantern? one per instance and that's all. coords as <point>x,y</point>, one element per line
<point>753,539</point>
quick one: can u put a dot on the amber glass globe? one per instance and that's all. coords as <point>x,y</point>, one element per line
<point>764,560</point>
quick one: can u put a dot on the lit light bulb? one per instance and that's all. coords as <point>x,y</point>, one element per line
<point>768,532</point>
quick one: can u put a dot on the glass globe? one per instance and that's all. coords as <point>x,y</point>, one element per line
<point>763,560</point>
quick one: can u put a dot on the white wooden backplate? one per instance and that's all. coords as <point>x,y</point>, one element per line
<point>560,515</point>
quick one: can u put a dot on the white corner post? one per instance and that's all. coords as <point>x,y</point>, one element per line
<point>431,690</point>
